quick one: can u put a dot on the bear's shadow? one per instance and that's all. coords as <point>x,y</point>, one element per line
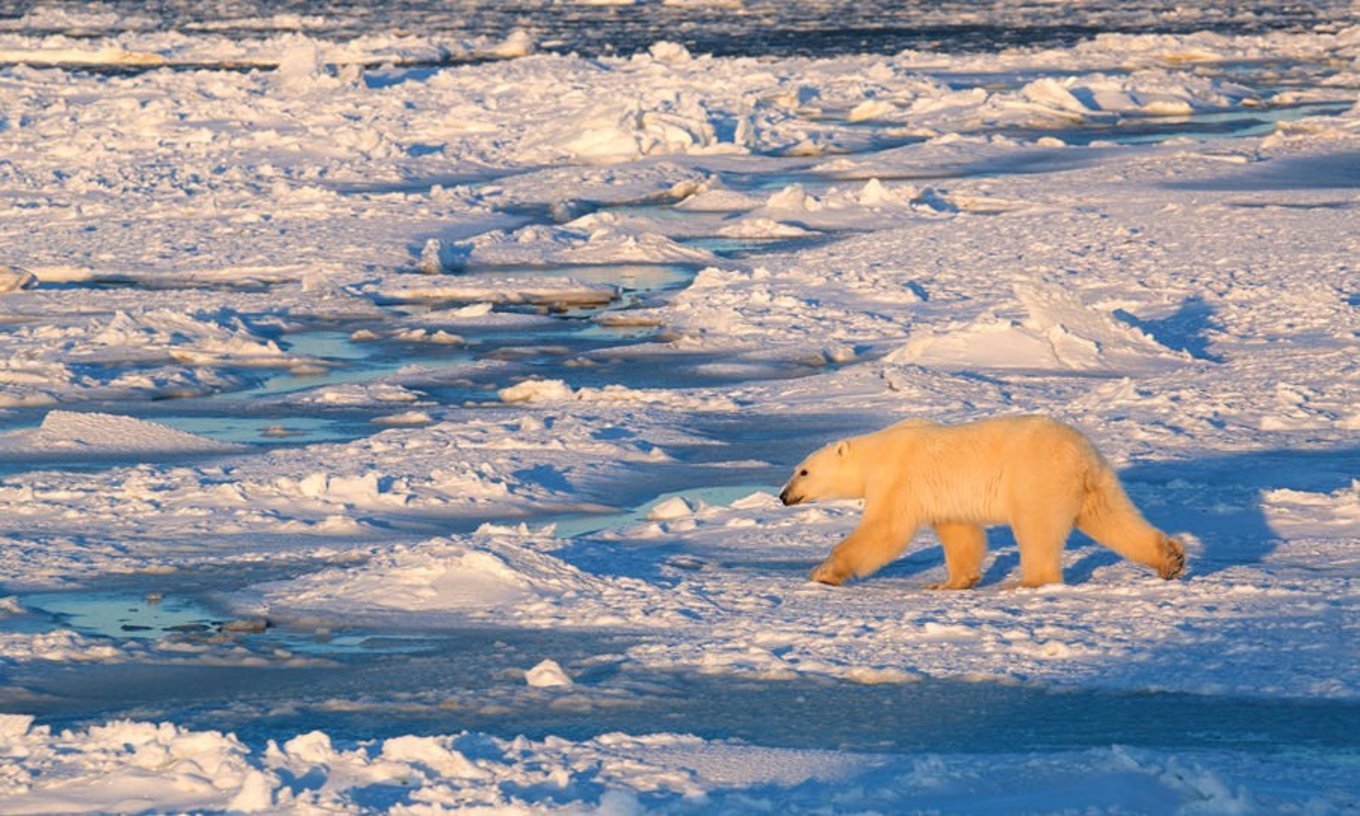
<point>925,561</point>
<point>1217,500</point>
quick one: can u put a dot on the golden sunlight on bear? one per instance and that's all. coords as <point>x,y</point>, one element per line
<point>1033,473</point>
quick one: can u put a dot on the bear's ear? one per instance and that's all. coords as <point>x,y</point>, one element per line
<point>842,448</point>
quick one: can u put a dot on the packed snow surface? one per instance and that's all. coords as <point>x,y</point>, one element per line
<point>392,420</point>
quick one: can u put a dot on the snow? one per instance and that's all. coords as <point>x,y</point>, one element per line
<point>13,278</point>
<point>547,675</point>
<point>462,376</point>
<point>96,433</point>
<point>670,509</point>
<point>122,766</point>
<point>1057,333</point>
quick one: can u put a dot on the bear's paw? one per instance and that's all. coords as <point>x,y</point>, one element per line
<point>1173,559</point>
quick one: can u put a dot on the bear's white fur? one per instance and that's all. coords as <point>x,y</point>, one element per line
<point>1037,475</point>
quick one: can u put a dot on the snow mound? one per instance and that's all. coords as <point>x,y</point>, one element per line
<point>592,239</point>
<point>439,575</point>
<point>1300,513</point>
<point>404,418</point>
<point>1148,93</point>
<point>57,646</point>
<point>718,200</point>
<point>352,395</point>
<point>496,573</point>
<point>662,123</point>
<point>132,353</point>
<point>676,507</point>
<point>760,227</point>
<point>547,675</point>
<point>874,205</point>
<point>155,336</point>
<point>73,432</point>
<point>1058,333</point>
<point>599,185</point>
<point>124,766</point>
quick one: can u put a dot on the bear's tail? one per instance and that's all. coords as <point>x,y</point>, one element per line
<point>1110,518</point>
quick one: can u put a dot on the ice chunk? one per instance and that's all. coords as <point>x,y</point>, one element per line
<point>14,725</point>
<point>13,278</point>
<point>429,752</point>
<point>537,391</point>
<point>1053,93</point>
<point>871,109</point>
<point>547,674</point>
<point>405,418</point>
<point>438,257</point>
<point>300,65</point>
<point>519,43</point>
<point>762,228</point>
<point>718,201</point>
<point>665,51</point>
<point>673,508</point>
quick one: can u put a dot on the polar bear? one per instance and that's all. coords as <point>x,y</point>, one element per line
<point>1036,474</point>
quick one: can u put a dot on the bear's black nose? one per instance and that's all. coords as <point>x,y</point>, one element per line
<point>784,497</point>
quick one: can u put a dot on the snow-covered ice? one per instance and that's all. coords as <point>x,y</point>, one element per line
<point>391,418</point>
<point>140,762</point>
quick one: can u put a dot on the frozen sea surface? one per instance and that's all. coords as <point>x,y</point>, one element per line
<point>392,405</point>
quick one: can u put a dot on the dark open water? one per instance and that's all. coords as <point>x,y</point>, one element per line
<point>722,27</point>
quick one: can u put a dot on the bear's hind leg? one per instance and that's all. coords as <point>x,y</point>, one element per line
<point>965,545</point>
<point>1108,516</point>
<point>1128,534</point>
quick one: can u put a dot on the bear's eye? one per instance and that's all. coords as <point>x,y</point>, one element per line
<point>802,472</point>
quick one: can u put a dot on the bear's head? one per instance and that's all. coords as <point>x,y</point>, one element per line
<point>832,472</point>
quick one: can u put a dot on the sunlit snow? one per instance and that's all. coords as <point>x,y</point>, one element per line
<point>393,408</point>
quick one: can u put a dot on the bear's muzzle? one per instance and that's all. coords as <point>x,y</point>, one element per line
<point>788,499</point>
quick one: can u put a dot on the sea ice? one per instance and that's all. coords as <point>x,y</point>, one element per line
<point>651,283</point>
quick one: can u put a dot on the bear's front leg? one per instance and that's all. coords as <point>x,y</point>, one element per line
<point>878,539</point>
<point>830,572</point>
<point>965,545</point>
